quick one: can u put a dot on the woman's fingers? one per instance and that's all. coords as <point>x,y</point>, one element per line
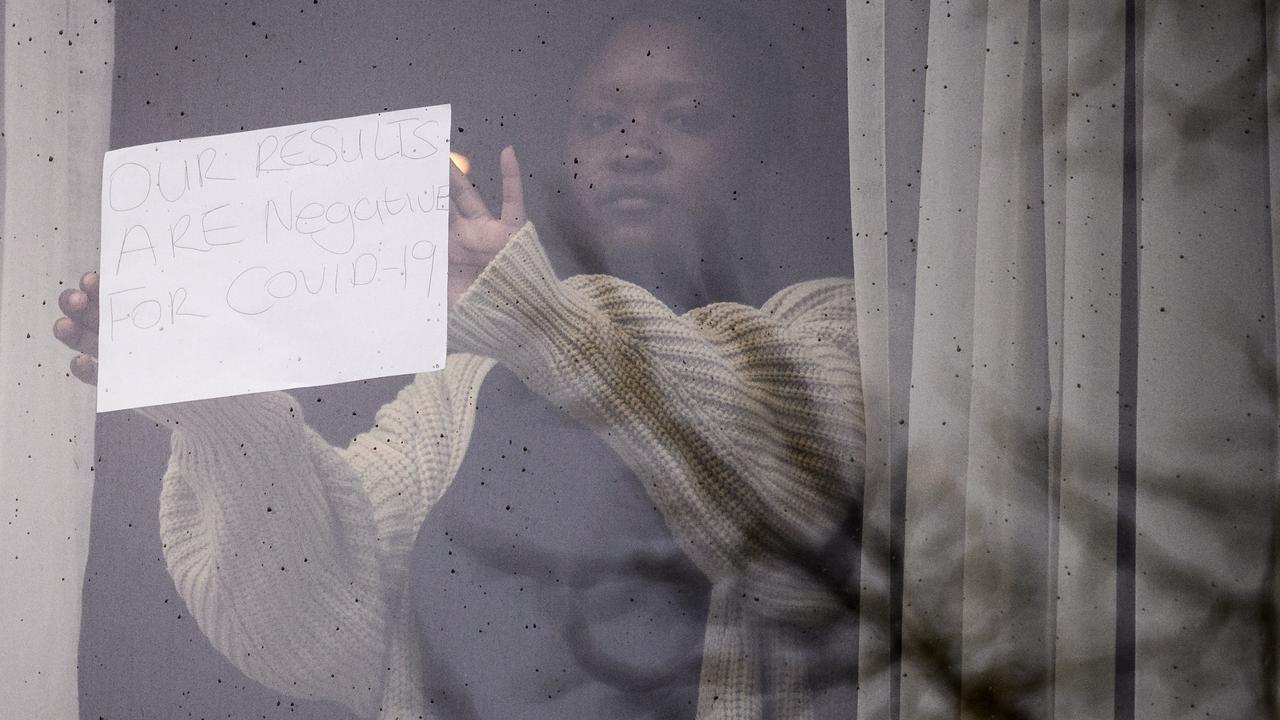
<point>89,316</point>
<point>465,245</point>
<point>463,197</point>
<point>512,189</point>
<point>80,306</point>
<point>72,302</point>
<point>475,236</point>
<point>75,336</point>
<point>85,368</point>
<point>78,330</point>
<point>68,332</point>
<point>89,284</point>
<point>88,343</point>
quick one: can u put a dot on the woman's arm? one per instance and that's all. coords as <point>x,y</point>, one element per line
<point>289,552</point>
<point>745,424</point>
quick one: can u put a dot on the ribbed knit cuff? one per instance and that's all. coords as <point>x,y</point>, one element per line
<point>271,543</point>
<point>517,306</point>
<point>241,451</point>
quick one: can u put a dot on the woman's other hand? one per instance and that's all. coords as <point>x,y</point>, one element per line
<point>78,330</point>
<point>475,235</point>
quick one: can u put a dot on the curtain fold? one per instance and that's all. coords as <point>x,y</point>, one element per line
<point>868,167</point>
<point>941,363</point>
<point>1005,660</point>
<point>57,67</point>
<point>1089,338</point>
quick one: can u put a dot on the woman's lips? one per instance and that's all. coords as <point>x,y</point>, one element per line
<point>633,202</point>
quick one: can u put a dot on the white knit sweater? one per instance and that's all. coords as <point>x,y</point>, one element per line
<point>744,425</point>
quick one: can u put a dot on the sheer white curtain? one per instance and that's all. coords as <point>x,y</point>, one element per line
<point>1090,463</point>
<point>57,107</point>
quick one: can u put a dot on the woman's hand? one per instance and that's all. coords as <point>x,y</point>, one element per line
<point>475,235</point>
<point>79,329</point>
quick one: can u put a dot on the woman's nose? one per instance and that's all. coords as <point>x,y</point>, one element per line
<point>639,148</point>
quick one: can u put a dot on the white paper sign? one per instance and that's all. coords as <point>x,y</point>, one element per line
<point>272,259</point>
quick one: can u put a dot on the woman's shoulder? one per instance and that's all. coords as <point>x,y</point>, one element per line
<point>824,301</point>
<point>830,298</point>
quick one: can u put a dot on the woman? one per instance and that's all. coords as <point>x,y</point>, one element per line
<point>714,449</point>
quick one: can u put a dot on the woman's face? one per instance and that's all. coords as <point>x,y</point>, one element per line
<point>657,145</point>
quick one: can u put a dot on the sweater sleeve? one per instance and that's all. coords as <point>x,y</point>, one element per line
<point>290,553</point>
<point>744,423</point>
